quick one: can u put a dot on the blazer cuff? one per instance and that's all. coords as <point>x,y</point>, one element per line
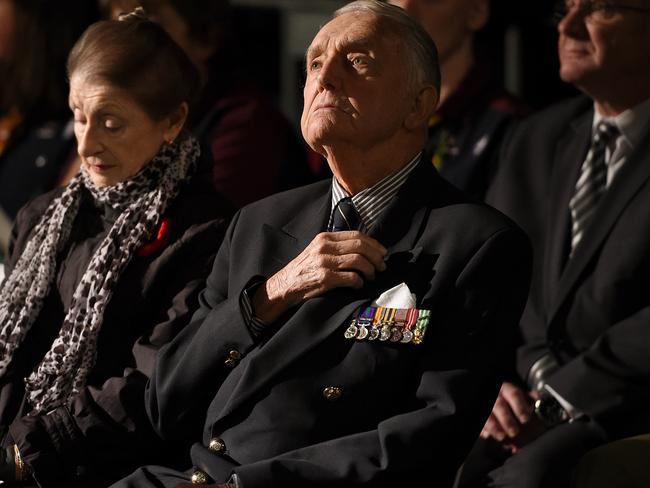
<point>255,326</point>
<point>47,444</point>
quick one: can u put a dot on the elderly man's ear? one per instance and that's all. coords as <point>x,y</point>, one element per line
<point>175,122</point>
<point>423,106</point>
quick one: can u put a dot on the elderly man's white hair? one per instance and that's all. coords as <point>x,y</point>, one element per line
<point>422,52</point>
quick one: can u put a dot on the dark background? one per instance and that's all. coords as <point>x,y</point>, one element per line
<point>536,67</point>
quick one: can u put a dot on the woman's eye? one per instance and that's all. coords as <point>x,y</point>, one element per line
<point>112,124</point>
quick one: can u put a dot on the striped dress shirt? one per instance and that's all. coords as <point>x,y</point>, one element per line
<point>370,203</point>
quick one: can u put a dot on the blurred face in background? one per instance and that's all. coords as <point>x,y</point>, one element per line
<point>6,27</point>
<point>169,19</point>
<point>450,23</point>
<point>601,49</point>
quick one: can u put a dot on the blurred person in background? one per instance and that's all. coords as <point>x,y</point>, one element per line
<point>103,272</point>
<point>256,152</point>
<point>576,177</point>
<point>36,138</point>
<point>475,110</point>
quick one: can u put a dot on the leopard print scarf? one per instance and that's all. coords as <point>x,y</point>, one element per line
<point>142,201</point>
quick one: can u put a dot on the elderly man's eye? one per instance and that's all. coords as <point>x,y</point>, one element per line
<point>359,61</point>
<point>314,65</point>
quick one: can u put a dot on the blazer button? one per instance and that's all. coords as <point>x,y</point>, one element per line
<point>199,477</point>
<point>217,445</point>
<point>332,393</point>
<point>233,358</point>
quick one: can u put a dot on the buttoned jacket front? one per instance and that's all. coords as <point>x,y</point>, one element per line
<point>305,406</point>
<point>592,311</point>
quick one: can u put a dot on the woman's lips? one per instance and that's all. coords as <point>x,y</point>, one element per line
<point>100,168</point>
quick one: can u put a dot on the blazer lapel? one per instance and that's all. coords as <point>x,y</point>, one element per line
<point>283,244</point>
<point>316,319</point>
<point>631,177</point>
<point>570,153</point>
<point>402,223</point>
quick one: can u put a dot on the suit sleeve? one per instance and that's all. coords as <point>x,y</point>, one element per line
<point>609,381</point>
<point>108,420</point>
<point>460,371</point>
<point>191,368</point>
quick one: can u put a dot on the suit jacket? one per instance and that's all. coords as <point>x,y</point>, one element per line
<point>592,311</point>
<point>400,410</point>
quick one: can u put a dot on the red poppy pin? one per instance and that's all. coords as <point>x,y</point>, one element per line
<point>160,242</point>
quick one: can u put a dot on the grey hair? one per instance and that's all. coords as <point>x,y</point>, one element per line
<point>421,50</point>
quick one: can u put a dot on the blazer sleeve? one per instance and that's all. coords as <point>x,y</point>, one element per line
<point>104,432</point>
<point>609,381</point>
<point>191,368</point>
<point>459,378</point>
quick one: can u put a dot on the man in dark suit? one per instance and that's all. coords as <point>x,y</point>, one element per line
<point>299,370</point>
<point>576,177</point>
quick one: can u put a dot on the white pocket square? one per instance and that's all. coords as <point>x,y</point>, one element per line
<point>397,297</point>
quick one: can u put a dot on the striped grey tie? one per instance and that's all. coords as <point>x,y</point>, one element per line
<point>592,182</point>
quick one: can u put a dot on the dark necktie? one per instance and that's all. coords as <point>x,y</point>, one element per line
<point>592,182</point>
<point>345,216</point>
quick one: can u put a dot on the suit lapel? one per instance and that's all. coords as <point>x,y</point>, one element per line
<point>305,329</point>
<point>631,177</point>
<point>283,244</point>
<point>569,154</point>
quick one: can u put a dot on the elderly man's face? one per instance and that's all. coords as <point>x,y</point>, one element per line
<point>356,89</point>
<point>596,51</point>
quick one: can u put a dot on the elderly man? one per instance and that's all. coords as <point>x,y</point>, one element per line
<point>475,110</point>
<point>352,332</point>
<point>577,178</point>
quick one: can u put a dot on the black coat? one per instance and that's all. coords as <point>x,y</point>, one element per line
<point>105,432</point>
<point>592,311</point>
<point>399,411</point>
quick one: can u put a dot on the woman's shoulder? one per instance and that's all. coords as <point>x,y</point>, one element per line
<point>34,209</point>
<point>197,204</point>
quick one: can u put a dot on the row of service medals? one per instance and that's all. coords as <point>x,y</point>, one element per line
<point>388,324</point>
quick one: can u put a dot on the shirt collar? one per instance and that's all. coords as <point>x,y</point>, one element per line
<point>371,202</point>
<point>632,123</point>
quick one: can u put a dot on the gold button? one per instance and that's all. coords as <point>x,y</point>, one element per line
<point>236,355</point>
<point>199,478</point>
<point>230,363</point>
<point>217,445</point>
<point>332,393</point>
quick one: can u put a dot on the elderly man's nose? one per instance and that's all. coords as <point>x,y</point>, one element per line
<point>329,75</point>
<point>573,22</point>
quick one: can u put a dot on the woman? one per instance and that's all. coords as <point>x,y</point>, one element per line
<point>255,151</point>
<point>104,272</point>
<point>35,143</point>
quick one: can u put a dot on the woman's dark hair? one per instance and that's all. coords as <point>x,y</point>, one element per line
<point>32,77</point>
<point>137,55</point>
